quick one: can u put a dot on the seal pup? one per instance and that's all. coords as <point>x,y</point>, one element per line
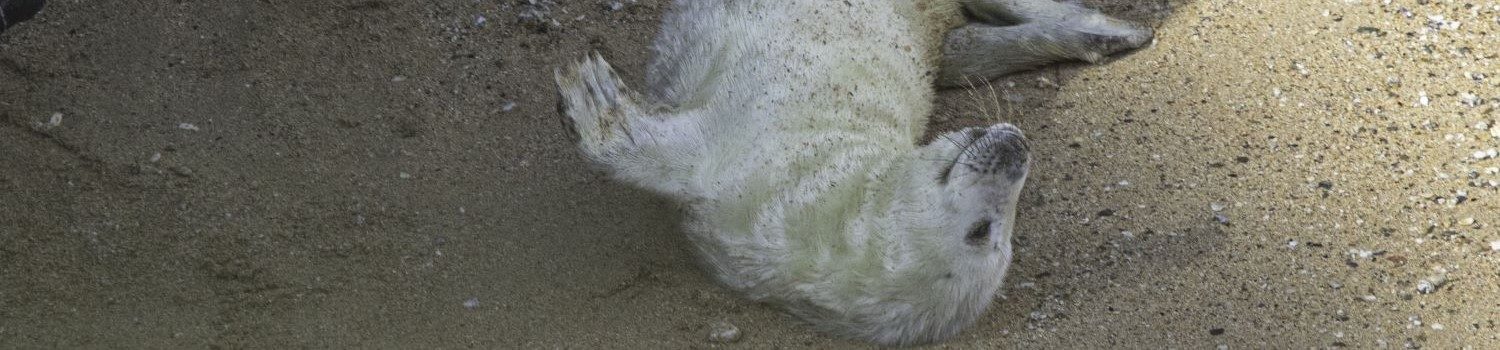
<point>788,132</point>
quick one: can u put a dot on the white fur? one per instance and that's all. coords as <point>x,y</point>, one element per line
<point>788,130</point>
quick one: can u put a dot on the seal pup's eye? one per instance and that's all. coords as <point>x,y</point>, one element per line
<point>947,170</point>
<point>974,135</point>
<point>978,235</point>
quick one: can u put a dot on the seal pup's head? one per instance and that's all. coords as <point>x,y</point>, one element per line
<point>949,220</point>
<point>975,176</point>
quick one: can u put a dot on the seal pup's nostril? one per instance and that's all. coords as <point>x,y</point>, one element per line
<point>1002,150</point>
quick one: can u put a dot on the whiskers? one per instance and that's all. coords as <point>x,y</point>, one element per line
<point>985,101</point>
<point>966,151</point>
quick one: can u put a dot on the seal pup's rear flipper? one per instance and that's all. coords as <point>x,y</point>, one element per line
<point>654,147</point>
<point>1041,32</point>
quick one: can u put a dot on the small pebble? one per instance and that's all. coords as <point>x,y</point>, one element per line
<point>187,126</point>
<point>1440,23</point>
<point>1425,287</point>
<point>404,175</point>
<point>55,120</point>
<point>1216,207</point>
<point>398,78</point>
<point>1014,97</point>
<point>1495,246</point>
<point>1224,220</point>
<point>1431,283</point>
<point>1046,83</point>
<point>507,106</point>
<point>723,332</point>
<point>471,303</point>
<point>1469,100</point>
<point>1486,154</point>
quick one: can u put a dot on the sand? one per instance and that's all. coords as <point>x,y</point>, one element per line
<point>388,174</point>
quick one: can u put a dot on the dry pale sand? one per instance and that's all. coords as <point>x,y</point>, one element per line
<point>391,174</point>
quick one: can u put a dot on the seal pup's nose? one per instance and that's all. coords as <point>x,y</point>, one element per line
<point>1000,149</point>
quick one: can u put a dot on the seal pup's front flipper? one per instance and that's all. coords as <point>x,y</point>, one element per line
<point>654,147</point>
